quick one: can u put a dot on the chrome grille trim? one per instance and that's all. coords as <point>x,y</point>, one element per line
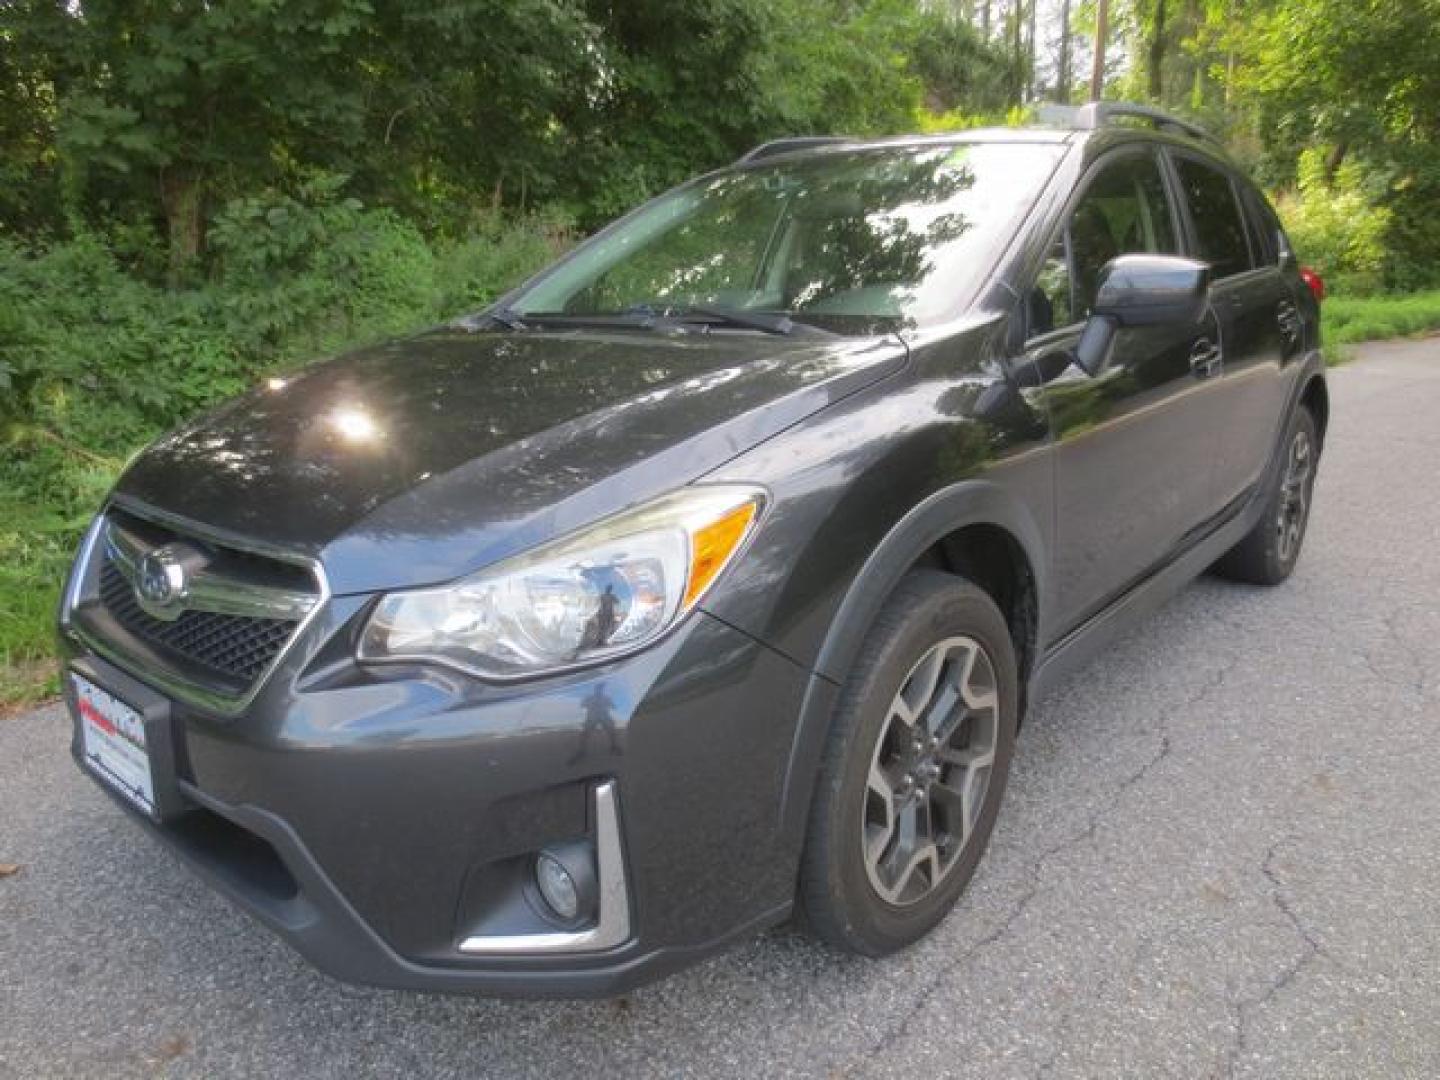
<point>208,591</point>
<point>83,589</point>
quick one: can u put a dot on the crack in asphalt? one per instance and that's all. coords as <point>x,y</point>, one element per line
<point>1412,658</point>
<point>1243,1010</point>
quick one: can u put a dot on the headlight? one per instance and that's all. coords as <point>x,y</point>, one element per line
<point>609,589</point>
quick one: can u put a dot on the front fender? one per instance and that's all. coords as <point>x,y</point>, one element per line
<point>972,502</point>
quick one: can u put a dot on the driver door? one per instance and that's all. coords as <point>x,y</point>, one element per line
<point>1133,447</point>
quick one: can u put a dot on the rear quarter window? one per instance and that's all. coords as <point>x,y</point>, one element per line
<point>1268,222</point>
<point>1215,213</point>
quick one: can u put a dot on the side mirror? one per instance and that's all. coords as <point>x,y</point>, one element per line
<point>1141,290</point>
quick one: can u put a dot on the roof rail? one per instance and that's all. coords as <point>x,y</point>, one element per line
<point>790,145</point>
<point>1098,114</point>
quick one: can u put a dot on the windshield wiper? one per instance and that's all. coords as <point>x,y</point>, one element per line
<point>728,316</point>
<point>505,317</point>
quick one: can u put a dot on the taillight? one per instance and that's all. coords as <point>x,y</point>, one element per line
<point>1315,281</point>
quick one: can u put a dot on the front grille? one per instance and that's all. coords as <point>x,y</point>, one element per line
<point>237,647</point>
<point>230,613</point>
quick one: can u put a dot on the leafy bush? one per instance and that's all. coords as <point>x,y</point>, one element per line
<point>309,273</point>
<point>495,253</point>
<point>1336,225</point>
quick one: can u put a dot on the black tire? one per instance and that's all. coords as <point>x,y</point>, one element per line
<point>1269,551</point>
<point>936,618</point>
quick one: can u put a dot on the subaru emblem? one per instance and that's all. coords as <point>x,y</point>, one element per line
<point>160,580</point>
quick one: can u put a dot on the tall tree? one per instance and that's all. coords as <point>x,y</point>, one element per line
<point>1102,30</point>
<point>1017,52</point>
<point>1156,52</point>
<point>1062,72</point>
<point>1030,64</point>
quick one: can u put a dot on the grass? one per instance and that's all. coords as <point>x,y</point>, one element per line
<point>35,549</point>
<point>32,568</point>
<point>1350,320</point>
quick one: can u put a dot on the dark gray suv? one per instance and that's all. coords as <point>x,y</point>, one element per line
<point>704,579</point>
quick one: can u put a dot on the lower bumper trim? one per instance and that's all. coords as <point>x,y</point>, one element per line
<point>612,924</point>
<point>317,921</point>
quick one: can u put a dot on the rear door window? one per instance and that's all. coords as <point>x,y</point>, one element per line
<point>1215,213</point>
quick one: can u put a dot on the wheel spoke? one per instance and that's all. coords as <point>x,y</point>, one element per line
<point>898,861</point>
<point>975,699</point>
<point>900,710</point>
<point>879,834</point>
<point>920,687</point>
<point>972,796</point>
<point>877,839</point>
<point>925,852</point>
<point>879,782</point>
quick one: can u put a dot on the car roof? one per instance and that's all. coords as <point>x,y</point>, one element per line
<point>812,146</point>
<point>1096,127</point>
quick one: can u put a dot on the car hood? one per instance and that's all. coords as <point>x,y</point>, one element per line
<point>421,459</point>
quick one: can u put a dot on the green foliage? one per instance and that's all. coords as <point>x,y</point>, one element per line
<point>95,361</point>
<point>495,253</point>
<point>303,275</point>
<point>1360,81</point>
<point>960,70</point>
<point>194,194</point>
<point>1336,225</point>
<point>148,110</point>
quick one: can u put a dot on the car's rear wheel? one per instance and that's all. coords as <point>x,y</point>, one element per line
<point>914,769</point>
<point>1269,552</point>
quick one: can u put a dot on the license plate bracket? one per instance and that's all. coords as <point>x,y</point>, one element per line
<point>124,737</point>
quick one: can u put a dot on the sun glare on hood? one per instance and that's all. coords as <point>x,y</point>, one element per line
<point>354,424</point>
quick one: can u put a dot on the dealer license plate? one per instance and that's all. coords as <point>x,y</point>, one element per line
<point>114,742</point>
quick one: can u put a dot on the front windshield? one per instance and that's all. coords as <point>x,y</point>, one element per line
<point>854,242</point>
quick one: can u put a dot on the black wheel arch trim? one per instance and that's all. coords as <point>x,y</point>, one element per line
<point>970,502</point>
<point>1311,374</point>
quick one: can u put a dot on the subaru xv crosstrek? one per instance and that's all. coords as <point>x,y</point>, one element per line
<point>703,580</point>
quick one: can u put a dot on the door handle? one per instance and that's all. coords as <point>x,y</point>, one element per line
<point>1205,358</point>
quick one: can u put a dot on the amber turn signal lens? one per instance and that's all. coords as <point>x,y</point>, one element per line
<point>712,545</point>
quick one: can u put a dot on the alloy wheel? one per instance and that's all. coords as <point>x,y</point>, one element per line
<point>930,771</point>
<point>1294,496</point>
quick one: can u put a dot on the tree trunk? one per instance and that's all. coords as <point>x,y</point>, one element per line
<point>1230,53</point>
<point>1018,50</point>
<point>1335,159</point>
<point>1062,76</point>
<point>1102,28</point>
<point>985,20</point>
<point>182,196</point>
<point>1157,53</point>
<point>1031,57</point>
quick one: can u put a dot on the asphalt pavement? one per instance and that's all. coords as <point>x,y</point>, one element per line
<point>1219,856</point>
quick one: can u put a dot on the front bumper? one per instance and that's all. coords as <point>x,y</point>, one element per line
<point>371,818</point>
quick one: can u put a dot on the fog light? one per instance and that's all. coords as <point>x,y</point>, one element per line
<point>557,886</point>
